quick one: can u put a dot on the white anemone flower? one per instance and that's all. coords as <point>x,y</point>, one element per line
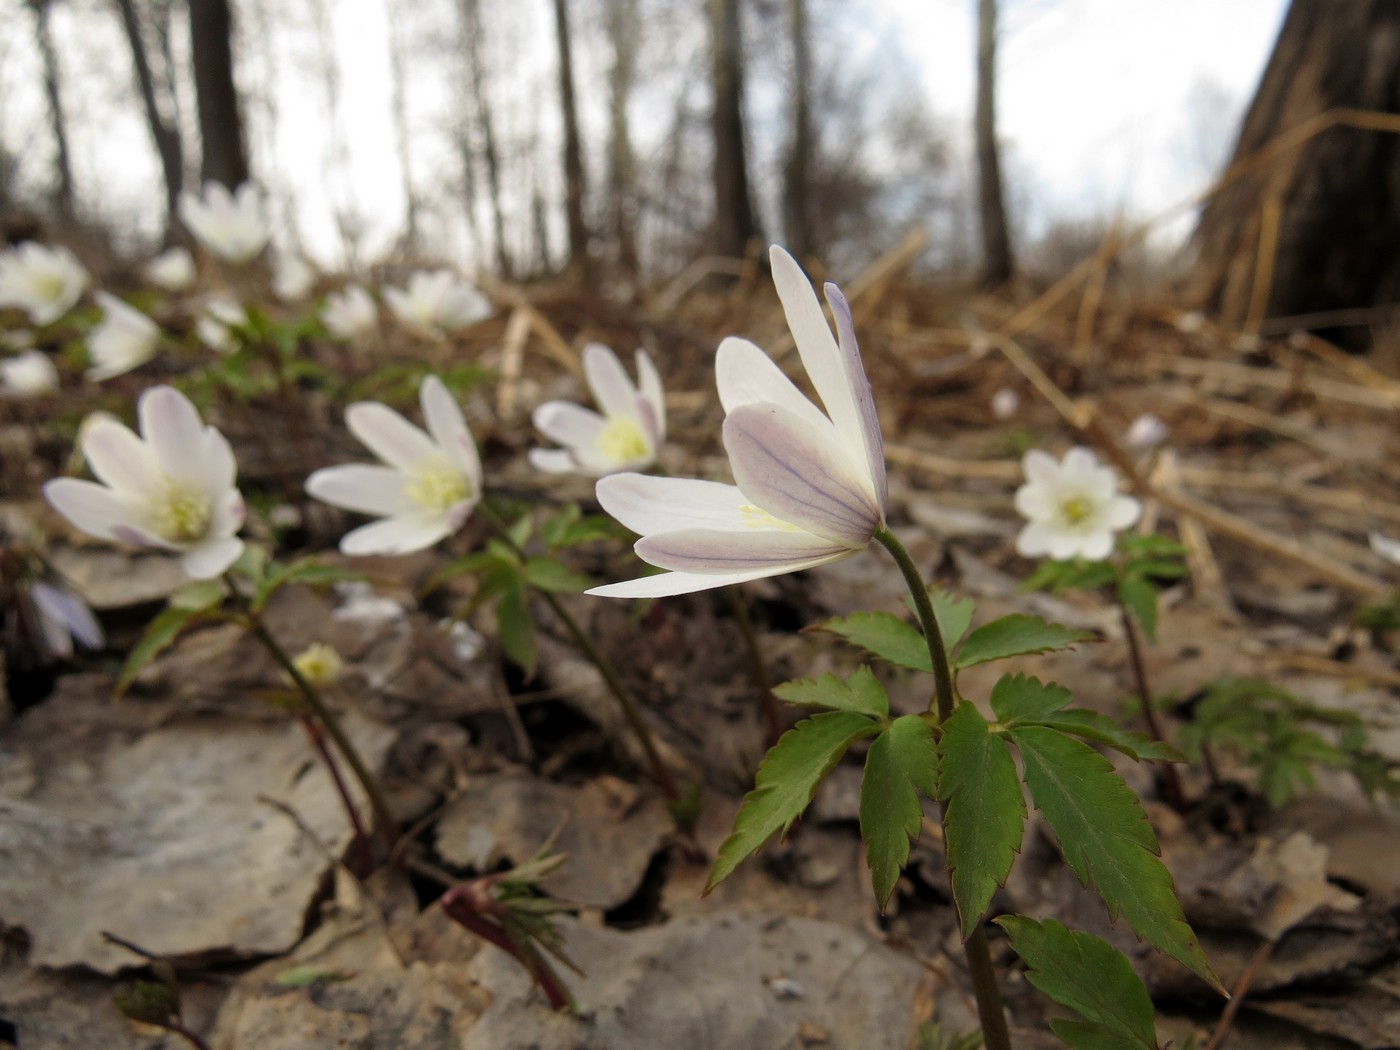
<point>173,488</point>
<point>233,226</point>
<point>349,313</point>
<point>44,282</point>
<point>810,485</point>
<point>64,618</point>
<point>215,329</point>
<point>427,485</point>
<point>294,279</point>
<point>1072,507</point>
<point>125,339</point>
<point>626,436</point>
<point>173,270</point>
<point>28,375</point>
<point>436,302</point>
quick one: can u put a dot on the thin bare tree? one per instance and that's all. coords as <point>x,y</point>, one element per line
<point>624,31</point>
<point>797,179</point>
<point>735,224</point>
<point>224,155</point>
<point>575,181</point>
<point>398,103</point>
<point>165,134</point>
<point>998,265</point>
<point>469,12</point>
<point>65,195</point>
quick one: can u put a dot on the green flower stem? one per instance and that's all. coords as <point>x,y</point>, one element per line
<point>630,708</point>
<point>758,670</point>
<point>383,817</point>
<point>979,956</point>
<point>1171,782</point>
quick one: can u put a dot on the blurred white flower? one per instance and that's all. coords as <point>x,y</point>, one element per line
<point>28,375</point>
<point>466,643</point>
<point>44,282</point>
<point>360,604</point>
<point>125,339</point>
<point>293,279</point>
<point>426,490</point>
<point>1005,403</point>
<point>64,618</point>
<point>232,226</point>
<point>349,313</point>
<point>811,485</point>
<point>626,436</point>
<point>1146,433</point>
<point>173,488</point>
<point>1386,547</point>
<point>173,270</point>
<point>436,302</point>
<point>1072,507</point>
<point>215,328</point>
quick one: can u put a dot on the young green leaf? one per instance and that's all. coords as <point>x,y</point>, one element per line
<point>861,692</point>
<point>901,763</point>
<point>459,567</point>
<point>884,635</point>
<point>1140,598</point>
<point>985,812</point>
<point>1103,730</point>
<point>787,779</point>
<point>1089,976</point>
<point>550,575</point>
<point>1106,839</point>
<point>307,571</point>
<point>1016,635</point>
<point>953,615</point>
<point>517,627</point>
<point>1022,698</point>
<point>200,595</point>
<point>160,635</point>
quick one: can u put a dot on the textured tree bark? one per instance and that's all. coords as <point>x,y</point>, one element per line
<point>1338,194</point>
<point>997,263</point>
<point>225,158</point>
<point>797,178</point>
<point>65,197</point>
<point>623,29</point>
<point>735,225</point>
<point>164,135</point>
<point>575,184</point>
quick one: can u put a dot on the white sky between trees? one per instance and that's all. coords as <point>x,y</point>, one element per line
<point>1104,105</point>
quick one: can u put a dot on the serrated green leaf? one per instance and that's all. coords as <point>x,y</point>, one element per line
<point>555,577</point>
<point>1106,839</point>
<point>1016,635</point>
<point>786,781</point>
<point>306,571</point>
<point>884,635</point>
<point>1022,698</point>
<point>517,627</point>
<point>1104,730</point>
<point>460,567</point>
<point>1089,976</point>
<point>1140,598</point>
<point>953,615</point>
<point>901,763</point>
<point>160,635</point>
<point>861,692</point>
<point>984,815</point>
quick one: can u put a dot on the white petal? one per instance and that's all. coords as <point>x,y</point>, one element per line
<point>122,460</point>
<point>745,375</point>
<point>211,557</point>
<point>858,384</point>
<point>1034,539</point>
<point>613,391</point>
<point>1096,545</point>
<point>710,551</point>
<point>220,468</point>
<point>447,427</point>
<point>173,430</point>
<point>649,505</point>
<point>1041,468</point>
<point>361,487</point>
<point>1080,466</point>
<point>398,535</point>
<point>1121,512</point>
<point>228,513</point>
<point>1065,543</point>
<point>388,435</point>
<point>95,509</point>
<point>792,470</point>
<point>553,461</point>
<point>568,424</point>
<point>1386,547</point>
<point>649,385</point>
<point>669,583</point>
<point>1035,502</point>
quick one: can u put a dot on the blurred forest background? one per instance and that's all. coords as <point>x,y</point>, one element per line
<point>626,137</point>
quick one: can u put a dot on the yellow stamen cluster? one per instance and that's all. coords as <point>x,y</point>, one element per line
<point>1076,509</point>
<point>182,516</point>
<point>437,486</point>
<point>622,440</point>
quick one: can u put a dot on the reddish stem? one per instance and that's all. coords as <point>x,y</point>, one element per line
<point>364,857</point>
<point>467,905</point>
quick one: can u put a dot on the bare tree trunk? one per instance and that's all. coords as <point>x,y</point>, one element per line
<point>470,12</point>
<point>997,264</point>
<point>165,136</point>
<point>225,158</point>
<point>403,138</point>
<point>623,30</point>
<point>574,180</point>
<point>65,197</point>
<point>1338,194</point>
<point>735,225</point>
<point>797,209</point>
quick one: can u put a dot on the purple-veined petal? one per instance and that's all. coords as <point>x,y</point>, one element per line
<point>858,385</point>
<point>653,396</point>
<point>122,460</point>
<point>401,534</point>
<point>65,614</point>
<point>708,551</point>
<point>568,424</point>
<point>447,427</point>
<point>613,391</point>
<point>789,467</point>
<point>96,509</point>
<point>210,558</point>
<point>649,505</point>
<point>388,435</point>
<point>175,433</point>
<point>361,487</point>
<point>745,375</point>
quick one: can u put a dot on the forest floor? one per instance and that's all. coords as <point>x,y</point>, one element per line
<point>190,818</point>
